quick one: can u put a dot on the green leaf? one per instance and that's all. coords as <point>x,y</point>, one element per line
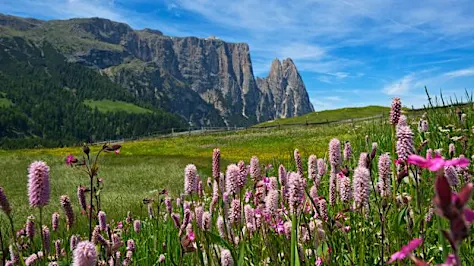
<point>297,257</point>
<point>220,241</point>
<point>401,215</point>
<point>241,254</point>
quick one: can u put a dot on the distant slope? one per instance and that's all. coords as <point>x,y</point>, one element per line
<point>105,106</point>
<point>43,104</point>
<point>329,115</point>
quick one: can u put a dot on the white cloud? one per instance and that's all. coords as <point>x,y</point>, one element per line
<point>399,87</point>
<point>460,73</point>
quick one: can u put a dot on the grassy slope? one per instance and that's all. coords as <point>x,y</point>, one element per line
<point>144,166</point>
<point>330,115</point>
<point>116,106</point>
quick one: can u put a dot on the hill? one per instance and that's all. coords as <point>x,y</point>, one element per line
<point>329,116</point>
<point>43,101</point>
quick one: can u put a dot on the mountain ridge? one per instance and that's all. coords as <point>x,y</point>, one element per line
<point>206,81</point>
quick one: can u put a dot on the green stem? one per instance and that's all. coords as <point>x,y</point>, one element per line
<point>40,224</point>
<point>293,239</point>
<point>441,238</point>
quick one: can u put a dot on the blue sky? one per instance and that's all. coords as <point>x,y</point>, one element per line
<point>349,53</point>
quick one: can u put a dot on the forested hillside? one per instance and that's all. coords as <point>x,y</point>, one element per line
<point>43,98</point>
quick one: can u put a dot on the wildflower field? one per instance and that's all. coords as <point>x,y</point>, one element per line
<point>395,190</point>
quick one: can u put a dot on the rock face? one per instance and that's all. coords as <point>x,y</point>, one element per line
<point>206,81</point>
<point>284,93</point>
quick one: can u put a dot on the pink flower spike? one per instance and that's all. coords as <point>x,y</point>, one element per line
<point>469,215</point>
<point>117,151</point>
<point>405,250</point>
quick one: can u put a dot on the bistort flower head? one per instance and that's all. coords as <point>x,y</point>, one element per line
<point>190,179</point>
<point>38,184</point>
<point>85,254</point>
<point>395,111</point>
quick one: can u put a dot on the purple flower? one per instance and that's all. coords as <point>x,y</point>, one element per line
<point>233,179</point>
<point>279,227</point>
<point>46,239</point>
<point>405,250</point>
<point>161,258</point>
<point>137,226</point>
<point>4,204</point>
<point>66,205</point>
<point>206,221</point>
<point>452,150</point>
<point>436,163</point>
<point>191,236</point>
<point>395,111</point>
<point>361,184</point>
<point>312,167</point>
<point>131,245</point>
<point>384,175</point>
<point>347,151</point>
<point>234,212</point>
<point>299,164</point>
<point>55,221</point>
<point>295,191</point>
<point>216,159</point>
<point>85,254</point>
<point>226,258</point>
<point>190,179</point>
<point>335,153</point>
<point>30,227</point>
<point>73,242</point>
<point>70,160</point>
<point>345,189</point>
<point>101,216</point>
<point>38,184</point>
<point>332,188</point>
<point>363,159</point>
<point>254,168</point>
<point>248,196</point>
<point>81,197</point>
<point>271,202</point>
<point>221,226</point>
<point>405,144</point>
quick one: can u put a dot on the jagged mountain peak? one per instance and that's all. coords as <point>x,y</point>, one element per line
<point>207,81</point>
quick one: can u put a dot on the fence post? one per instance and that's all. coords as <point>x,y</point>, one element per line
<point>172,131</point>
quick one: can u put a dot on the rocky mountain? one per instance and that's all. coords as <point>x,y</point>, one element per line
<point>205,81</point>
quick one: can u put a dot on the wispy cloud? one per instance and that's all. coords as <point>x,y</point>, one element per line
<point>399,87</point>
<point>466,72</point>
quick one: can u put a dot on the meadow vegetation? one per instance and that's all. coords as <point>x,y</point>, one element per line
<point>305,198</point>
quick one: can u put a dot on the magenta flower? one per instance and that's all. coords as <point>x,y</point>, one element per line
<point>70,160</point>
<point>267,183</point>
<point>436,163</point>
<point>248,196</point>
<point>191,236</point>
<point>226,258</point>
<point>279,227</point>
<point>405,250</point>
<point>38,184</point>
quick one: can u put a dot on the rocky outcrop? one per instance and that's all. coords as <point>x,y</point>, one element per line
<point>206,81</point>
<point>283,91</point>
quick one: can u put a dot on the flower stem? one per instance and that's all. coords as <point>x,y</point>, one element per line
<point>293,239</point>
<point>90,209</point>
